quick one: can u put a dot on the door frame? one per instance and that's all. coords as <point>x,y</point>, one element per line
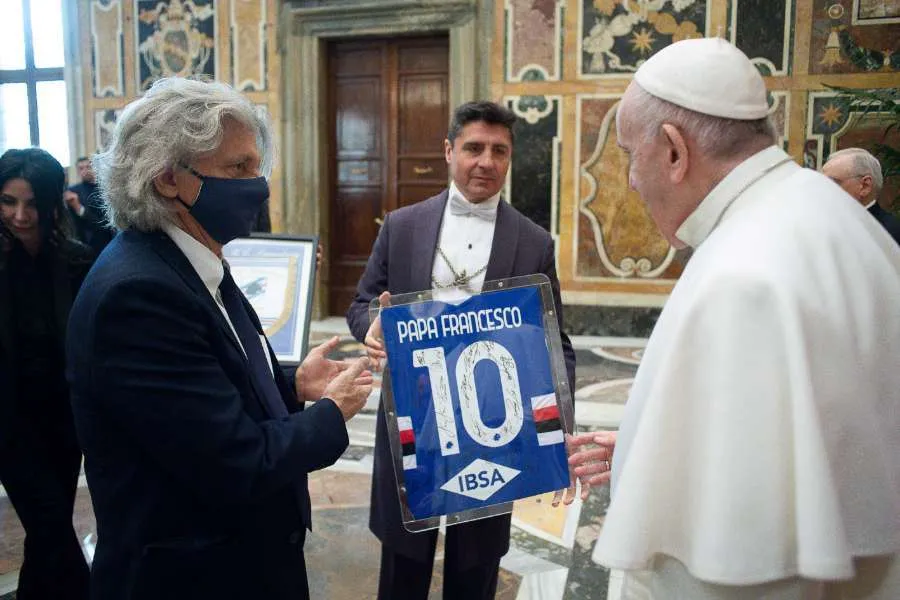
<point>303,33</point>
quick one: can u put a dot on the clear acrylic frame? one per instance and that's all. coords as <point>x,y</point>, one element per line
<point>561,393</point>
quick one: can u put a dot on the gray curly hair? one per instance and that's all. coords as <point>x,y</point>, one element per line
<point>176,121</point>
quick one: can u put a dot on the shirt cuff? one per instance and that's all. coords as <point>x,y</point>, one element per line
<point>80,211</point>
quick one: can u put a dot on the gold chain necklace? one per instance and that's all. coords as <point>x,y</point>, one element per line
<point>459,279</point>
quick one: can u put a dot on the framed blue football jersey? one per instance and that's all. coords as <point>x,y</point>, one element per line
<point>476,398</point>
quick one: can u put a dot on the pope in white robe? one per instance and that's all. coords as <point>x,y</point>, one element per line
<point>759,452</point>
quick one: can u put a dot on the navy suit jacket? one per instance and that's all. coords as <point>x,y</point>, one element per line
<point>887,220</point>
<point>197,490</point>
<point>401,262</point>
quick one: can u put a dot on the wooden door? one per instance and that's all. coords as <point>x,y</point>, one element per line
<point>388,120</point>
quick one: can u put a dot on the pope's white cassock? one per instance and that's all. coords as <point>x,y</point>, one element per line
<point>759,453</point>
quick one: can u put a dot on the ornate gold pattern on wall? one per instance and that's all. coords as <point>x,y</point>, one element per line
<point>622,240</point>
<point>248,45</point>
<point>617,36</point>
<point>175,38</point>
<point>106,46</point>
<point>609,251</point>
<point>855,36</point>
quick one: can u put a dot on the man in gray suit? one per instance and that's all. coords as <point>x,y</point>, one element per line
<point>464,236</point>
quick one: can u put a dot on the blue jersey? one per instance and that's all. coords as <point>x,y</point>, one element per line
<point>475,401</point>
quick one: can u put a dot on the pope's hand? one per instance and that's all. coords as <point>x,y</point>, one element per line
<point>351,388</point>
<point>375,338</point>
<point>317,371</point>
<point>568,495</point>
<point>591,455</point>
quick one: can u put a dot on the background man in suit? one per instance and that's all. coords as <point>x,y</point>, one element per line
<point>463,236</point>
<point>859,173</point>
<point>86,206</point>
<point>197,448</point>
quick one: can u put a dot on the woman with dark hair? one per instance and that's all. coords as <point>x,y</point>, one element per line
<point>41,269</point>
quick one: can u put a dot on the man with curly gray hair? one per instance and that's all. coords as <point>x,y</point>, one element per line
<point>197,446</point>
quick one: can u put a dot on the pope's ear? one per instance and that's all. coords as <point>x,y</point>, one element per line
<point>676,153</point>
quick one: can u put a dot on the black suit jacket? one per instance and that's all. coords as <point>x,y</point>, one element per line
<point>197,490</point>
<point>887,220</point>
<point>401,262</point>
<point>71,262</point>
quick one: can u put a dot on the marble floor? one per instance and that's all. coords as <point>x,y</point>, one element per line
<point>550,552</point>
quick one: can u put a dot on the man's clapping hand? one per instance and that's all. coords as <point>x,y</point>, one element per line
<point>351,388</point>
<point>342,381</point>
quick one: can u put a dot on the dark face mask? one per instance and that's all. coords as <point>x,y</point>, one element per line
<point>227,208</point>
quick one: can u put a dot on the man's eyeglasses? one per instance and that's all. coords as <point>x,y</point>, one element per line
<point>840,180</point>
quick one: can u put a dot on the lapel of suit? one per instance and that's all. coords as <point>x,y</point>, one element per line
<point>503,247</point>
<point>173,255</point>
<point>169,252</point>
<point>424,243</point>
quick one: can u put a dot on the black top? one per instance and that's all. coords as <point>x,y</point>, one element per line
<point>38,358</point>
<point>36,294</point>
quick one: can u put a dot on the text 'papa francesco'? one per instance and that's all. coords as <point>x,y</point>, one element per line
<point>465,323</point>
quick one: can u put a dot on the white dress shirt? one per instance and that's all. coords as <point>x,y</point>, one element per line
<point>211,271</point>
<point>466,240</point>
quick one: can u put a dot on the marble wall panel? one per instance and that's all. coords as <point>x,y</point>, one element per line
<point>762,29</point>
<point>104,123</point>
<point>615,236</point>
<point>617,36</point>
<point>533,184</point>
<point>855,36</point>
<point>533,39</point>
<point>248,45</point>
<point>107,48</point>
<point>779,112</point>
<point>174,38</point>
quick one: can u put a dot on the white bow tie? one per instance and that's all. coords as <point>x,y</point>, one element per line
<point>486,210</point>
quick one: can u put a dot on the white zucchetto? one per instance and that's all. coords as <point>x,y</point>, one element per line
<point>707,75</point>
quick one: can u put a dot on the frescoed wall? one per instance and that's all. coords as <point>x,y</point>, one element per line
<point>566,63</point>
<point>128,44</point>
<point>562,66</point>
